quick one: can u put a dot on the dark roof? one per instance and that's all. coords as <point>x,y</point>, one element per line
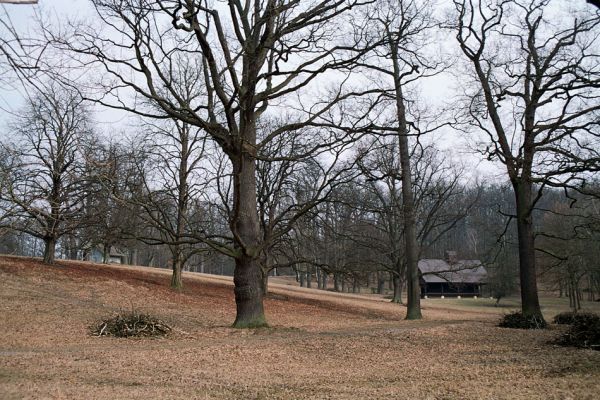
<point>463,271</point>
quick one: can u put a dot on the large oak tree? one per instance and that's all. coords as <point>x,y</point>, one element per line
<point>256,57</point>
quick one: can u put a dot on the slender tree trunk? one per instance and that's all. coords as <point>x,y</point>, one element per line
<point>380,283</point>
<point>182,203</point>
<point>49,250</point>
<point>308,277</point>
<point>413,306</point>
<point>247,276</point>
<point>265,281</point>
<point>318,275</point>
<point>323,280</point>
<point>72,248</point>
<point>355,285</point>
<point>105,253</point>
<point>560,288</point>
<point>529,294</point>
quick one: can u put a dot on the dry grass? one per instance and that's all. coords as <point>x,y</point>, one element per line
<point>320,346</point>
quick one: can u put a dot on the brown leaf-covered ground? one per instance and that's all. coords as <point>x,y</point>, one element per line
<point>320,345</point>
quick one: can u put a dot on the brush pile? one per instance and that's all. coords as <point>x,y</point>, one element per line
<point>519,321</point>
<point>584,332</point>
<point>131,324</point>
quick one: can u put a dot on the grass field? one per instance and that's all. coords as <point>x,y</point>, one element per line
<point>321,345</point>
<point>550,305</point>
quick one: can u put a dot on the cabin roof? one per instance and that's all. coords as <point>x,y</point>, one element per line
<point>462,271</point>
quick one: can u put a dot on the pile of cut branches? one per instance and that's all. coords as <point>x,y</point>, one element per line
<point>519,321</point>
<point>131,324</point>
<point>569,317</point>
<point>584,332</point>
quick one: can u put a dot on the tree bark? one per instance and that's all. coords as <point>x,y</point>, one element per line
<point>265,282</point>
<point>397,290</point>
<point>529,295</point>
<point>247,276</point>
<point>49,250</point>
<point>336,282</point>
<point>323,280</point>
<point>105,253</point>
<point>176,281</point>
<point>182,206</point>
<point>380,283</point>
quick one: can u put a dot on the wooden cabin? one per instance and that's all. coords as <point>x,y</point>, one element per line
<point>451,277</point>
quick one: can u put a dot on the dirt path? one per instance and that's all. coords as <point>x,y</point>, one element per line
<point>321,345</point>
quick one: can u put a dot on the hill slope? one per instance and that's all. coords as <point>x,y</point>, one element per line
<point>322,345</point>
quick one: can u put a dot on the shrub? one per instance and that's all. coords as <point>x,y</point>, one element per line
<point>584,332</point>
<point>519,321</point>
<point>132,324</point>
<point>568,317</point>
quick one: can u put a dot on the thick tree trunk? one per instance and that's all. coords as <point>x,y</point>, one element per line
<point>133,260</point>
<point>302,278</point>
<point>72,248</point>
<point>247,276</point>
<point>308,277</point>
<point>336,282</point>
<point>49,250</point>
<point>176,281</point>
<point>529,294</point>
<point>323,280</point>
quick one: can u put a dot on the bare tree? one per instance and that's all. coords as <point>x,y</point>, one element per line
<point>44,184</point>
<point>172,179</point>
<point>255,57</point>
<point>404,30</point>
<point>534,93</point>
